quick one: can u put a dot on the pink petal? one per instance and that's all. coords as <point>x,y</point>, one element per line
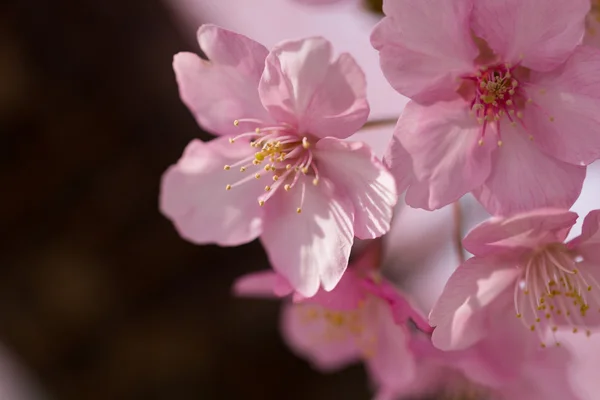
<point>588,243</point>
<point>402,309</point>
<point>262,284</point>
<point>399,163</point>
<point>539,33</point>
<point>424,46</point>
<point>307,337</point>
<point>360,177</point>
<point>194,198</point>
<point>392,365</point>
<point>458,315</point>
<point>301,86</point>
<point>523,178</point>
<point>519,233</point>
<point>447,160</point>
<point>224,88</point>
<point>311,248</point>
<point>571,96</point>
<point>347,295</point>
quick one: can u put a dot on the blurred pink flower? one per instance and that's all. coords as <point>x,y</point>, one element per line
<point>523,258</point>
<point>363,319</point>
<point>534,89</point>
<point>321,190</point>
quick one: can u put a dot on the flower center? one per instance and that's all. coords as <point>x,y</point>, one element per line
<point>497,94</point>
<point>556,289</point>
<point>281,154</point>
<point>342,325</point>
<point>594,16</point>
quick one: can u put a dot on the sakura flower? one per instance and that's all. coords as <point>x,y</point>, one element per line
<point>553,285</point>
<point>363,319</point>
<point>282,170</point>
<point>509,114</point>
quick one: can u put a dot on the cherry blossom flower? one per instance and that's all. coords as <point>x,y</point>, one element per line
<point>509,114</point>
<point>553,285</point>
<point>280,169</point>
<point>363,319</point>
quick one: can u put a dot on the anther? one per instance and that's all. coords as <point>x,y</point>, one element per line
<point>551,119</point>
<point>520,114</point>
<point>315,181</point>
<point>289,166</point>
<point>287,187</point>
<point>242,169</point>
<point>480,142</point>
<point>261,203</point>
<point>267,188</point>
<point>236,122</point>
<point>509,102</point>
<point>499,143</point>
<point>228,187</point>
<point>304,170</point>
<point>257,130</point>
<point>298,210</point>
<point>305,143</point>
<point>275,178</point>
<point>231,140</point>
<point>227,168</point>
<point>257,176</point>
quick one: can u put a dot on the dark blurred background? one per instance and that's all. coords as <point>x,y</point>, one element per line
<point>99,297</point>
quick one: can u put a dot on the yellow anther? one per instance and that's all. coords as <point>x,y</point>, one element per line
<point>242,169</point>
<point>275,178</point>
<point>267,167</point>
<point>257,176</point>
<point>299,210</point>
<point>257,130</point>
<point>289,166</point>
<point>530,137</point>
<point>543,345</point>
<point>227,168</point>
<point>315,181</point>
<point>305,143</point>
<point>287,187</point>
<point>228,187</point>
<point>236,122</point>
<point>520,114</point>
<point>304,170</point>
<point>551,119</point>
<point>231,140</point>
<point>554,328</point>
<point>575,330</point>
<point>519,315</point>
<point>261,203</point>
<point>530,100</point>
<point>509,102</point>
<point>267,188</point>
<point>514,83</point>
<point>255,162</point>
<point>499,143</point>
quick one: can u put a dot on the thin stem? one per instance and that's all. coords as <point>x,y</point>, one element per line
<point>457,215</point>
<point>378,123</point>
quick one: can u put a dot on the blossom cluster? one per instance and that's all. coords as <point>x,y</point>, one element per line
<point>504,107</point>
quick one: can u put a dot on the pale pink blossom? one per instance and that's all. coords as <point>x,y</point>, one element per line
<point>363,319</point>
<point>523,262</point>
<point>287,175</point>
<point>509,114</point>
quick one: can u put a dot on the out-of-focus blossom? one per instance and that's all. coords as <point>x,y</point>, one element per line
<point>363,319</point>
<point>286,176</point>
<point>509,116</point>
<point>552,284</point>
